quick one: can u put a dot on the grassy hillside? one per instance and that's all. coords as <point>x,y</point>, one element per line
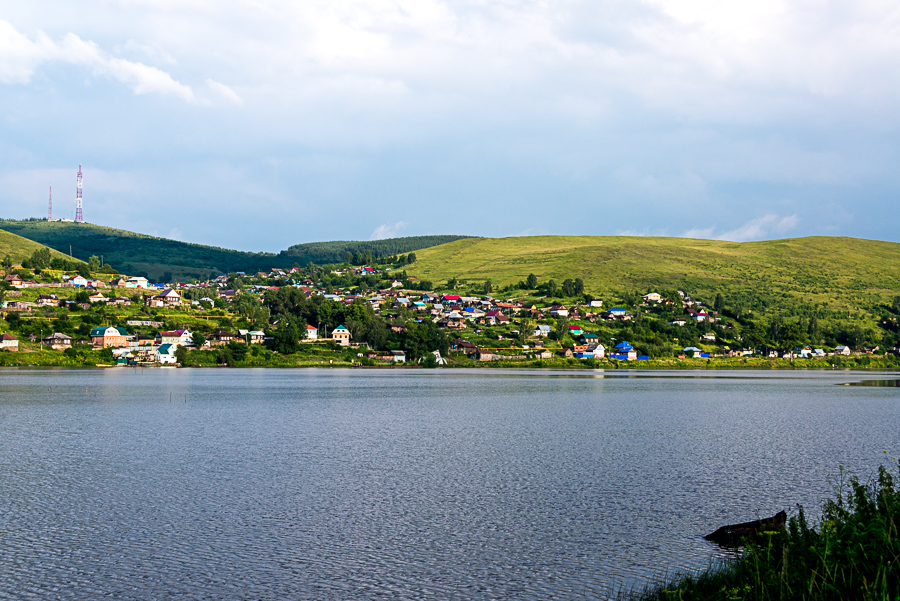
<point>839,272</point>
<point>138,254</point>
<point>19,248</point>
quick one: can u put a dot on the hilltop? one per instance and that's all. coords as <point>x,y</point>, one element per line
<point>828,271</point>
<point>168,260</point>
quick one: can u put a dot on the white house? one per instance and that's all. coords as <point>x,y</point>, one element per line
<point>596,303</point>
<point>842,350</point>
<point>166,353</point>
<point>312,333</point>
<point>341,335</point>
<point>652,297</point>
<point>559,311</point>
<point>542,330</point>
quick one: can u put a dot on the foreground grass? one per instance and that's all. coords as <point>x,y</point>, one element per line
<point>854,553</point>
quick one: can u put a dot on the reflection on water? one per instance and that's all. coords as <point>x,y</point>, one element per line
<point>878,383</point>
<point>339,484</point>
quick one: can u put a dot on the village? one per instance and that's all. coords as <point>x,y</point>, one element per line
<point>367,315</point>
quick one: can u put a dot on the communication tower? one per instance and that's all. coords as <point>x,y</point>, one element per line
<point>50,207</point>
<point>79,218</point>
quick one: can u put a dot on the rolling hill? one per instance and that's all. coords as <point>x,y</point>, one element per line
<point>19,248</point>
<point>837,272</point>
<point>138,254</point>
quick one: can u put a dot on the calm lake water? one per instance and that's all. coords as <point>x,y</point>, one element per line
<point>440,484</point>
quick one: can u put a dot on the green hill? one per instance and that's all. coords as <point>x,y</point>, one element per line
<point>19,248</point>
<point>138,254</point>
<point>839,272</point>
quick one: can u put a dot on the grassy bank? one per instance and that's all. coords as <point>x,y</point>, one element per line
<point>854,553</point>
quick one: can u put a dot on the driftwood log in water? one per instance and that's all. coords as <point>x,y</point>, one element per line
<point>733,534</point>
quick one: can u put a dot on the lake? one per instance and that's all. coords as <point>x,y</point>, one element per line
<point>413,484</point>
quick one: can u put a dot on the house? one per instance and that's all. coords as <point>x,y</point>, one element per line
<point>8,342</point>
<point>97,298</point>
<point>842,350</point>
<point>154,301</point>
<point>57,341</point>
<point>678,321</point>
<point>485,355</point>
<point>179,337</point>
<point>14,280</point>
<point>109,337</point>
<point>256,337</point>
<point>341,335</point>
<point>137,282</point>
<point>542,331</point>
<point>599,351</point>
<point>223,337</point>
<point>169,298</point>
<point>559,311</point>
<point>567,353</point>
<point>694,352</point>
<point>596,303</point>
<point>117,283</point>
<point>165,354</point>
<point>48,300</point>
<point>575,331</point>
<point>708,336</point>
<point>543,354</point>
<point>400,356</point>
<point>652,297</point>
<point>589,338</point>
<point>312,333</point>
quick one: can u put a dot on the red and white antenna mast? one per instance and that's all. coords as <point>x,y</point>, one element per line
<point>79,218</point>
<point>50,208</point>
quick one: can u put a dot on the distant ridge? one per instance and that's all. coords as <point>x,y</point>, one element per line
<point>153,257</point>
<point>335,252</point>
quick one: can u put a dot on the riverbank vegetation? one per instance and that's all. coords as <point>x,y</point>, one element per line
<point>853,553</point>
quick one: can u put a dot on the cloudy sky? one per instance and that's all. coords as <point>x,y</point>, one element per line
<point>262,123</point>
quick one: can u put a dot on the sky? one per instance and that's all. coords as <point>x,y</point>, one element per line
<point>260,124</point>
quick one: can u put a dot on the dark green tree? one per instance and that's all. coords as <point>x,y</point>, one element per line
<point>719,303</point>
<point>531,282</point>
<point>488,287</point>
<point>181,354</point>
<point>198,339</point>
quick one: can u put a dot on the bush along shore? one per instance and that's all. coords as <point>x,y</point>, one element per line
<point>853,553</point>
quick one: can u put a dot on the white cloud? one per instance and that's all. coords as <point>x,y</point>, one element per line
<point>764,227</point>
<point>387,231</point>
<point>20,57</point>
<point>224,91</point>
